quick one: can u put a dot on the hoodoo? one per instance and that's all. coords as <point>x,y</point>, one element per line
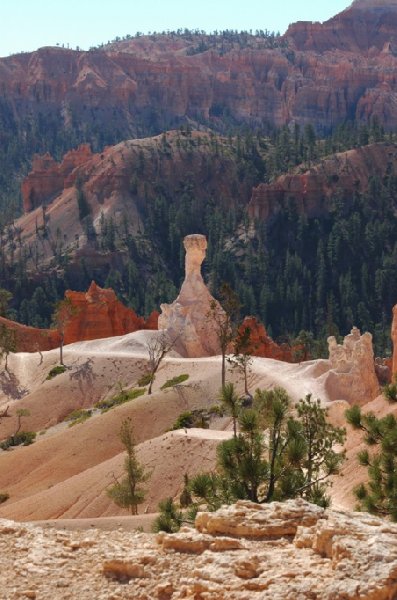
<point>188,318</point>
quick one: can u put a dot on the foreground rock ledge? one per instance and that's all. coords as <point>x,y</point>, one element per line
<point>292,550</point>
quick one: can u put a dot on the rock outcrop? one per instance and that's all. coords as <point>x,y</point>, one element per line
<point>190,318</point>
<point>366,25</point>
<point>275,551</point>
<point>312,192</point>
<point>99,314</point>
<point>96,314</point>
<point>352,376</point>
<point>261,344</point>
<point>48,178</point>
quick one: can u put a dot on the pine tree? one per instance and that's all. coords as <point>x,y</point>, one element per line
<point>379,495</point>
<point>128,493</point>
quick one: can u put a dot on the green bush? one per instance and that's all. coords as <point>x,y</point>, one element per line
<point>121,398</point>
<point>145,379</point>
<point>23,438</point>
<point>390,392</point>
<point>78,416</point>
<point>4,497</point>
<point>56,371</point>
<point>194,418</point>
<point>175,381</point>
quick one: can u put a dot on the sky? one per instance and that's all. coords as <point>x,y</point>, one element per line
<point>26,25</point>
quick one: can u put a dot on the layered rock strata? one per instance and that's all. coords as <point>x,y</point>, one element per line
<point>352,376</point>
<point>244,551</point>
<point>191,318</point>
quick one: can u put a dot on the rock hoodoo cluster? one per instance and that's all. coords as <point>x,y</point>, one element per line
<point>48,178</point>
<point>189,319</point>
<point>99,314</point>
<point>352,376</point>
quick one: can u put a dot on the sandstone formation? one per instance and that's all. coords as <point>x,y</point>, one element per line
<point>261,344</point>
<point>99,314</point>
<point>48,178</point>
<point>352,376</point>
<point>366,25</point>
<point>277,551</point>
<point>311,192</point>
<point>323,73</point>
<point>96,314</point>
<point>190,318</point>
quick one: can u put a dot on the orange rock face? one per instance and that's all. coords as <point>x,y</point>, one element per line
<point>261,344</point>
<point>97,314</point>
<point>320,73</point>
<point>32,339</point>
<point>48,178</point>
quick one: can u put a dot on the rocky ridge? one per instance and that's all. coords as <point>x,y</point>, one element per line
<point>245,551</point>
<point>317,72</point>
<point>313,190</point>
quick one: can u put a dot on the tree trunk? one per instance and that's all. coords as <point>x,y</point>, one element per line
<point>61,352</point>
<point>223,369</point>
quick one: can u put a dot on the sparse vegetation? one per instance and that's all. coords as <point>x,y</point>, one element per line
<point>120,398</point>
<point>145,380</point>
<point>78,416</point>
<point>170,518</point>
<point>23,438</point>
<point>128,492</point>
<point>199,417</point>
<point>57,370</point>
<point>4,496</point>
<point>177,380</point>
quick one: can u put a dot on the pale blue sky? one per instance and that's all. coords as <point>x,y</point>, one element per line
<point>28,24</point>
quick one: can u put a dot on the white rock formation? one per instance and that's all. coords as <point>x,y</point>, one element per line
<point>278,551</point>
<point>188,318</point>
<point>352,376</point>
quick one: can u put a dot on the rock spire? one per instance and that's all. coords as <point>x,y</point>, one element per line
<point>189,317</point>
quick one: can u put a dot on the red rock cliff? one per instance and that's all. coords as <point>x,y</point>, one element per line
<point>48,178</point>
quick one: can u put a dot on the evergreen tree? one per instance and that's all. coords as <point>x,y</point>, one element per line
<point>379,495</point>
<point>128,492</point>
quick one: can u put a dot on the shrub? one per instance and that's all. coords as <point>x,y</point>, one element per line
<point>4,497</point>
<point>56,371</point>
<point>390,392</point>
<point>194,418</point>
<point>145,379</point>
<point>121,398</point>
<point>23,438</point>
<point>78,416</point>
<point>175,381</point>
